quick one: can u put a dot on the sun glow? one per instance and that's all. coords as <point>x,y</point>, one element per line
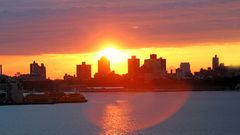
<point>114,55</point>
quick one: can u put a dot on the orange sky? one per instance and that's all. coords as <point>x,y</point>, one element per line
<point>63,33</point>
<point>59,64</point>
<point>30,27</point>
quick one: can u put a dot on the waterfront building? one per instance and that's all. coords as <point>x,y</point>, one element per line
<point>184,70</point>
<point>185,66</point>
<point>104,66</point>
<point>133,65</point>
<point>215,62</point>
<point>155,65</point>
<point>10,90</point>
<point>153,68</point>
<point>84,71</point>
<point>38,71</point>
<point>163,65</point>
<point>179,74</point>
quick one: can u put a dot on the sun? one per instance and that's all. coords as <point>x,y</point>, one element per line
<point>114,55</point>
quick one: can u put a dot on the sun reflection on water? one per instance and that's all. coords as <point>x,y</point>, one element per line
<point>126,113</point>
<point>116,119</point>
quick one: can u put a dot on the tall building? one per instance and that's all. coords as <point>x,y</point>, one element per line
<point>38,70</point>
<point>163,64</point>
<point>185,67</point>
<point>215,62</point>
<point>104,66</point>
<point>84,71</point>
<point>133,65</point>
<point>184,71</point>
<point>1,70</point>
<point>156,66</point>
<point>179,74</point>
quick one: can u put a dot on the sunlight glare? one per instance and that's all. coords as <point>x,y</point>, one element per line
<point>114,55</point>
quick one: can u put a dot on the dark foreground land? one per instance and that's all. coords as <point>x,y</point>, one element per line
<point>48,98</point>
<point>127,85</point>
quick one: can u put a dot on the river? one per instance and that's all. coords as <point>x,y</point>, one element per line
<point>150,113</point>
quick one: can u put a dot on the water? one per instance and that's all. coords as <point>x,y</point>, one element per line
<point>182,113</point>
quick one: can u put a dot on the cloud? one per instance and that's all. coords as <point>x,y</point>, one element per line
<point>75,26</point>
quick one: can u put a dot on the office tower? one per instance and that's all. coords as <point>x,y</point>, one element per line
<point>133,65</point>
<point>84,71</point>
<point>38,71</point>
<point>104,66</point>
<point>179,73</point>
<point>163,64</point>
<point>156,66</point>
<point>215,62</point>
<point>185,67</point>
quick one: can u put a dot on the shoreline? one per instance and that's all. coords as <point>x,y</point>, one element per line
<point>45,103</point>
<point>151,90</point>
<point>115,91</point>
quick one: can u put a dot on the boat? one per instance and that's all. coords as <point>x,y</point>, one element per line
<point>53,98</point>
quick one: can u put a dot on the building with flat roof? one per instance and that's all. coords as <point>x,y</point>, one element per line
<point>184,71</point>
<point>133,65</point>
<point>84,71</point>
<point>155,65</point>
<point>185,66</point>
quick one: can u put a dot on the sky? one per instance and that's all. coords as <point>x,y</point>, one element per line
<point>63,33</point>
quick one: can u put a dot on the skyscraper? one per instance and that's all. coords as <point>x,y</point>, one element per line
<point>104,66</point>
<point>215,62</point>
<point>133,65</point>
<point>84,71</point>
<point>38,71</point>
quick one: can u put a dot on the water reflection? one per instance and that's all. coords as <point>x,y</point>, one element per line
<point>116,119</point>
<point>123,113</point>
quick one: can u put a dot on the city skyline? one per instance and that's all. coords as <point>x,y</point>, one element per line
<point>84,71</point>
<point>116,67</point>
<point>64,33</point>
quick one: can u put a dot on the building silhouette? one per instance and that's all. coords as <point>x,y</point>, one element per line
<point>163,65</point>
<point>153,68</point>
<point>155,65</point>
<point>215,62</point>
<point>184,71</point>
<point>84,71</point>
<point>68,77</point>
<point>38,71</point>
<point>133,65</point>
<point>104,66</point>
<point>179,74</point>
<point>1,70</point>
<point>185,67</point>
